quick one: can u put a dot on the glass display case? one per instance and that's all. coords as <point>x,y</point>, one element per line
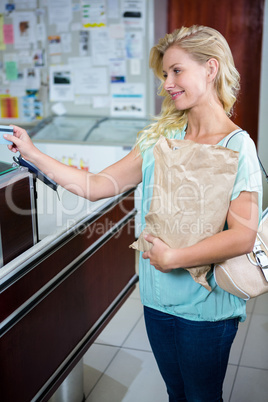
<point>88,130</point>
<point>89,143</point>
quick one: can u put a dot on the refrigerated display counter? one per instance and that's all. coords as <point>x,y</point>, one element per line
<point>62,287</point>
<point>94,130</point>
<point>90,143</point>
<point>58,294</point>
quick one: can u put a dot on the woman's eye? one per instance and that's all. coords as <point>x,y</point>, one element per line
<point>177,71</point>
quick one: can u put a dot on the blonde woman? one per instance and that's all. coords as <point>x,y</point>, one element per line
<point>190,329</point>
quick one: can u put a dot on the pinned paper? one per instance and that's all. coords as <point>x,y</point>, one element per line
<point>26,4</point>
<point>128,100</point>
<point>41,32</point>
<point>118,71</point>
<point>58,109</point>
<point>135,67</point>
<point>134,45</point>
<point>101,102</point>
<point>93,13</point>
<point>61,83</point>
<point>9,107</point>
<point>66,41</point>
<point>113,9</point>
<point>83,43</point>
<point>2,43</point>
<point>32,76</point>
<point>31,108</point>
<point>54,44</point>
<point>100,46</point>
<point>24,29</point>
<point>18,86</point>
<point>11,70</point>
<point>133,13</point>
<point>8,34</point>
<point>59,11</point>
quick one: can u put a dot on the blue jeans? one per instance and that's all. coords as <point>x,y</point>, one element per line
<point>192,356</point>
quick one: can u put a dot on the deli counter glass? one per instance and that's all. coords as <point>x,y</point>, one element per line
<point>90,143</point>
<point>65,262</point>
<point>89,130</point>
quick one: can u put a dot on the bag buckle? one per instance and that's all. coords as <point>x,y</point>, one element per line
<point>261,258</point>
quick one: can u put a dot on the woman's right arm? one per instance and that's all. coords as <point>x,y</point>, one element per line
<point>115,179</point>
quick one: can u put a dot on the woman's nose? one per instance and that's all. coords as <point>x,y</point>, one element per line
<point>168,84</point>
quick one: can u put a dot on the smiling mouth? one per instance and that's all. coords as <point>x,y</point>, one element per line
<point>176,94</point>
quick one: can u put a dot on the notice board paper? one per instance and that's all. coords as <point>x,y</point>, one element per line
<point>61,83</point>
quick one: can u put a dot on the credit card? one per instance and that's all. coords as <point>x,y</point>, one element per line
<point>5,130</point>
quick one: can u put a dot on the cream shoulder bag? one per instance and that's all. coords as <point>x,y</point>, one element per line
<point>246,276</point>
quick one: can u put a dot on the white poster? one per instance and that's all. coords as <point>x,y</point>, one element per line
<point>128,100</point>
<point>25,57</point>
<point>134,45</point>
<point>32,78</point>
<point>59,11</point>
<point>87,79</point>
<point>95,81</point>
<point>41,32</point>
<point>133,13</point>
<point>113,9</point>
<point>118,70</point>
<point>117,46</point>
<point>101,102</point>
<point>61,83</point>
<point>54,45</point>
<point>24,29</point>
<point>83,43</point>
<point>100,46</point>
<point>135,67</point>
<point>26,4</point>
<point>93,13</point>
<point>66,42</point>
<point>76,62</point>
<point>18,86</point>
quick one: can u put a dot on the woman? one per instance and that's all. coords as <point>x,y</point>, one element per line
<point>190,329</point>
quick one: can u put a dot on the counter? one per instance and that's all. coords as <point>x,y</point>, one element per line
<point>57,296</point>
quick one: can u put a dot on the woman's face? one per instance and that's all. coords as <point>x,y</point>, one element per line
<point>185,79</point>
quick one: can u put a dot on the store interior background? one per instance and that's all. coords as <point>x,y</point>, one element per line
<point>245,17</point>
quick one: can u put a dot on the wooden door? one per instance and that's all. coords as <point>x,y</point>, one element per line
<point>240,22</point>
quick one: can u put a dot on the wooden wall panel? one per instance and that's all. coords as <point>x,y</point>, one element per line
<point>241,23</point>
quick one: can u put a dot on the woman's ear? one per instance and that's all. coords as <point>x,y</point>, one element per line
<point>212,69</point>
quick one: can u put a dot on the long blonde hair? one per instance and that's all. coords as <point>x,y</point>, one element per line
<point>202,43</point>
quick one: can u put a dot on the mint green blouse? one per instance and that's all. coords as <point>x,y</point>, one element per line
<point>176,292</point>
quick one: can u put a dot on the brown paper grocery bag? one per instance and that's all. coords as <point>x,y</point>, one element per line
<point>191,195</point>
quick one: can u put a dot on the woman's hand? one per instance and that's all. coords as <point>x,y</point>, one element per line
<point>159,254</point>
<point>21,142</point>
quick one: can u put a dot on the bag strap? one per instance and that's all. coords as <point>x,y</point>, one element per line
<point>230,136</point>
<point>263,170</point>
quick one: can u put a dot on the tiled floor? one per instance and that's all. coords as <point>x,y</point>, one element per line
<point>120,366</point>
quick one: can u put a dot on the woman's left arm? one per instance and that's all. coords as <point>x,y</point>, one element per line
<point>238,239</point>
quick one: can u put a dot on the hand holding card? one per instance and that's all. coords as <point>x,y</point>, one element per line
<point>5,130</point>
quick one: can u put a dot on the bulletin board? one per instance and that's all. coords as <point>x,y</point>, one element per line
<point>79,57</point>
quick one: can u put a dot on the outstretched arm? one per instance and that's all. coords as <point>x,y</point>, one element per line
<point>115,179</point>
